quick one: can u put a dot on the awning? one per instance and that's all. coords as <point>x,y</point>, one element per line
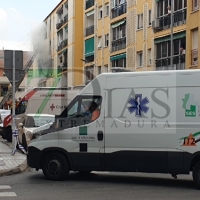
<point>117,24</point>
<point>89,47</point>
<point>89,54</point>
<point>64,50</point>
<point>117,57</point>
<point>89,13</point>
<point>168,37</point>
<point>66,28</point>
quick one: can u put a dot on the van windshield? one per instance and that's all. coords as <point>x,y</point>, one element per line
<point>79,111</point>
<point>21,108</point>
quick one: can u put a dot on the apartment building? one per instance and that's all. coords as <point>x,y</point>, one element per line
<point>130,35</point>
<point>64,35</point>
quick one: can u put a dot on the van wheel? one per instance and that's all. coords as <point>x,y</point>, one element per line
<point>196,175</point>
<point>8,134</point>
<point>55,167</point>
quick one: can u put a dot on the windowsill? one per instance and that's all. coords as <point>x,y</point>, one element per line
<point>140,29</point>
<point>138,67</point>
<point>105,47</point>
<point>194,11</point>
<point>192,66</point>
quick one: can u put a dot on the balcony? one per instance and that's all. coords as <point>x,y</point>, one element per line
<point>89,3</point>
<point>89,30</point>
<point>164,63</point>
<point>119,44</point>
<point>59,24</point>
<point>164,22</point>
<point>62,44</point>
<point>65,19</point>
<point>119,10</point>
<point>194,56</point>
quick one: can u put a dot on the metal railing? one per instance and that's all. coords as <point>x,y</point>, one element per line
<point>65,18</point>
<point>194,57</point>
<point>119,10</point>
<point>89,30</point>
<point>63,44</point>
<point>89,3</point>
<point>179,18</point>
<point>119,44</point>
<point>164,63</point>
<point>59,25</point>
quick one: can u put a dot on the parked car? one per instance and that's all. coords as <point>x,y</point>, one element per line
<point>36,122</point>
<point>3,114</point>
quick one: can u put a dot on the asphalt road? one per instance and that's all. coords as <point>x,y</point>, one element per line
<point>32,185</point>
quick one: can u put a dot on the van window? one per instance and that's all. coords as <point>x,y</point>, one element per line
<point>21,108</point>
<point>80,110</point>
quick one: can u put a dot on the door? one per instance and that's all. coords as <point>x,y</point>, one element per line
<point>83,135</point>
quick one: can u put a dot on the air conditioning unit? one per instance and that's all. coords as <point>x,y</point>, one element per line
<point>156,24</point>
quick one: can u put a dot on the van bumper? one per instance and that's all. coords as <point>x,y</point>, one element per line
<point>34,157</point>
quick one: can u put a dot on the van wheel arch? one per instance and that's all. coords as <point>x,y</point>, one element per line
<point>195,160</point>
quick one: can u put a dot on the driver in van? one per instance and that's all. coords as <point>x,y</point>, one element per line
<point>94,110</point>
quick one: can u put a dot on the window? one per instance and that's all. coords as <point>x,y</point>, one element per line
<point>119,32</point>
<point>119,63</point>
<point>107,10</point>
<point>195,46</point>
<point>149,57</point>
<point>106,68</point>
<point>99,42</point>
<point>140,59</point>
<point>60,59</point>
<point>89,73</point>
<point>106,40</point>
<point>22,107</point>
<point>140,21</point>
<point>100,12</point>
<point>195,5</point>
<point>99,69</point>
<point>81,111</point>
<point>149,17</point>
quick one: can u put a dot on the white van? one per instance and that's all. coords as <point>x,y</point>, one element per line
<point>43,100</point>
<point>148,122</point>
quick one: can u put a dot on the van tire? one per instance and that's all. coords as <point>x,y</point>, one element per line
<point>196,174</point>
<point>55,167</point>
<point>8,134</point>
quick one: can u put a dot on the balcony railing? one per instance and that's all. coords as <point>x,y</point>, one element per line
<point>65,19</point>
<point>63,44</point>
<point>89,3</point>
<point>119,44</point>
<point>59,24</point>
<point>194,56</point>
<point>179,18</point>
<point>119,10</point>
<point>164,63</point>
<point>89,30</point>
<point>63,66</point>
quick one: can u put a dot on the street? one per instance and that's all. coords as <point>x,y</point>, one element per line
<point>117,186</point>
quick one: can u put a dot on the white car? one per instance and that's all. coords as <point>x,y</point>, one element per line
<point>34,123</point>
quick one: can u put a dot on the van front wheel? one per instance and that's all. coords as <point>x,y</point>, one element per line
<point>196,174</point>
<point>55,167</point>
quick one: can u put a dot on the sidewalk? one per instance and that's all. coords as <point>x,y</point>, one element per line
<point>11,164</point>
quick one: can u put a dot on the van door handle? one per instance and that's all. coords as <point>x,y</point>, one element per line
<point>100,135</point>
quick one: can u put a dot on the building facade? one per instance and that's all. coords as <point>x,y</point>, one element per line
<point>97,36</point>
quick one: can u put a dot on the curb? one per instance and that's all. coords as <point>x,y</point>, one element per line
<point>17,170</point>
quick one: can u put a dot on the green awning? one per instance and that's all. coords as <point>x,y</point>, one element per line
<point>117,57</point>
<point>66,28</point>
<point>168,37</point>
<point>89,13</point>
<point>157,0</point>
<point>117,24</point>
<point>89,54</point>
<point>89,47</point>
